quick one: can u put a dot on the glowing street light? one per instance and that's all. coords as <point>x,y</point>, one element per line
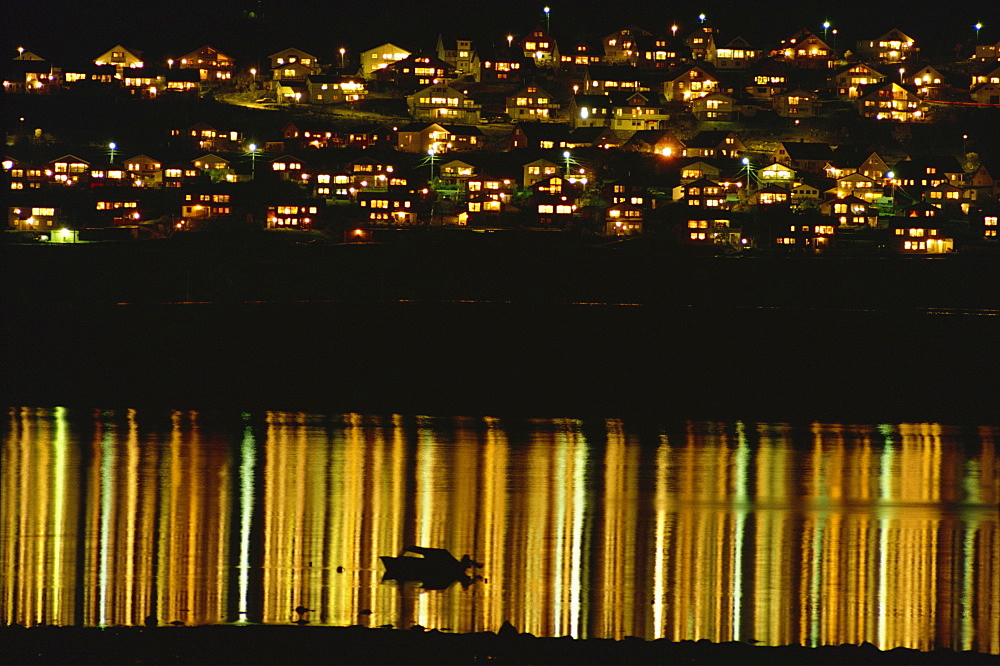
<point>701,17</point>
<point>978,27</point>
<point>112,147</point>
<point>170,63</point>
<point>252,151</point>
<point>20,52</point>
<point>826,29</point>
<point>510,41</point>
<point>253,73</point>
<point>343,51</point>
<point>548,26</point>
<point>902,70</point>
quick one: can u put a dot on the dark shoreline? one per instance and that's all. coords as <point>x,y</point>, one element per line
<point>260,644</point>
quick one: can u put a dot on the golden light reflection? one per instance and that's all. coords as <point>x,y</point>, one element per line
<point>773,533</point>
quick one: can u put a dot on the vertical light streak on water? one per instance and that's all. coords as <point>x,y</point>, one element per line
<point>248,460</point>
<point>741,494</point>
<point>582,450</point>
<point>662,537</point>
<point>815,581</point>
<point>131,492</point>
<point>968,580</point>
<point>559,501</point>
<point>104,551</point>
<point>425,503</point>
<point>885,495</point>
<point>59,444</point>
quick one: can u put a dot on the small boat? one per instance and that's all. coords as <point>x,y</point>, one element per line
<point>434,568</point>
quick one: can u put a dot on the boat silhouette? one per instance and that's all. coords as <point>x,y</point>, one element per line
<point>433,568</point>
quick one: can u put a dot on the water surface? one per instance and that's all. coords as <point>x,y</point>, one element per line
<point>814,533</point>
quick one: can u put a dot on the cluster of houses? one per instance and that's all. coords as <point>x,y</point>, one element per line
<point>530,133</point>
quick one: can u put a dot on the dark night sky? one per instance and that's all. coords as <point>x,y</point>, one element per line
<point>60,28</point>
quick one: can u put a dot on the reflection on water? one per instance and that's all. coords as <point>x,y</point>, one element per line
<point>817,534</point>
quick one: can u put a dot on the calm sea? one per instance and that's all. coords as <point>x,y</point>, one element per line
<point>777,533</point>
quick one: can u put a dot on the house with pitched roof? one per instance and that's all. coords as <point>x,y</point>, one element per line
<point>689,84</point>
<point>891,48</point>
<point>891,101</point>
<point>714,143</point>
<point>335,89</point>
<point>852,81</point>
<point>737,53</point>
<point>803,156</point>
<point>381,57</point>
<point>531,103</point>
<point>212,64</point>
<point>459,53</point>
<point>443,103</point>
<point>661,142</point>
<point>716,106</point>
<point>805,50</point>
<point>540,47</point>
<point>121,58</point>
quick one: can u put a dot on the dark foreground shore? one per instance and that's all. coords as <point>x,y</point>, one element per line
<point>359,645</point>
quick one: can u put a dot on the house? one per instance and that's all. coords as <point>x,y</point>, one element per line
<point>545,136</point>
<point>203,136</point>
<point>288,168</point>
<point>441,102</point>
<point>637,111</point>
<point>380,57</point>
<point>394,207</point>
<point>621,46</point>
<point>987,52</point>
<point>118,206</point>
<point>581,55</point>
<point>604,80</point>
<point>424,137</point>
<point>205,203</point>
<point>859,185</point>
<point>689,84</point>
<point>851,211</point>
<point>707,227</point>
<point>623,220</point>
<point>920,173</point>
<point>457,171</point>
<point>945,195</point>
<point>41,215</point>
<point>984,182</point>
<point>987,225</point>
<point>849,159</point>
<point>217,167</point>
<point>177,174</point>
<point>661,142</point>
<point>919,234</point>
<point>182,81</point>
<point>31,75</point>
<point>592,137</point>
<point>797,103</point>
<point>805,50</point>
<point>701,42</point>
<point>777,173</point>
<point>121,58</point>
<point>538,170</point>
<point>591,110</point>
<point>67,170</point>
<point>296,214</point>
<point>144,170</point>
<point>293,63</point>
<point>212,64</point>
<point>771,195</point>
<point>803,156</point>
<point>539,47</point>
<point>804,196</point>
<point>531,103</point>
<point>458,53</point>
<point>891,101</point>
<point>504,65</point>
<point>416,71</point>
<point>715,106</point>
<point>737,53</point>
<point>767,78</point>
<point>714,143</point>
<point>893,47</point>
<point>851,81</point>
<point>986,93</point>
<point>661,52</point>
<point>703,193</point>
<point>113,175</point>
<point>291,91</point>
<point>326,89</point>
<point>699,169</point>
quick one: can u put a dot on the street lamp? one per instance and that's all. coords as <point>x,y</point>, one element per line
<point>252,150</point>
<point>978,27</point>
<point>342,52</point>
<point>510,41</point>
<point>253,73</point>
<point>566,157</point>
<point>170,63</point>
<point>431,156</point>
<point>701,17</point>
<point>548,26</point>
<point>902,70</point>
<point>20,52</point>
<point>673,30</point>
<point>112,147</point>
<point>826,29</point>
